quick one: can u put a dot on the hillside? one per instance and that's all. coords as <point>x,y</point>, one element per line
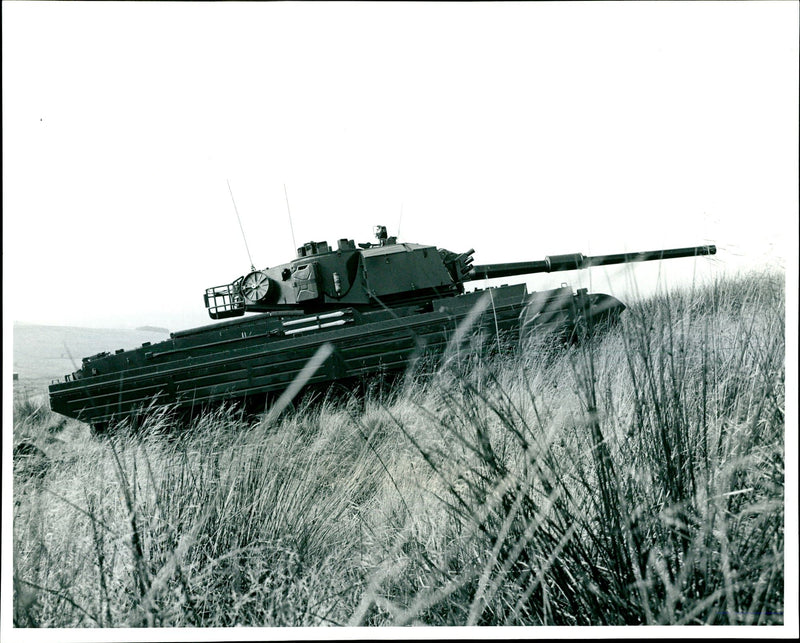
<point>42,353</point>
<point>637,478</point>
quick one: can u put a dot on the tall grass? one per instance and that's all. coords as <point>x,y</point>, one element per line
<point>636,478</point>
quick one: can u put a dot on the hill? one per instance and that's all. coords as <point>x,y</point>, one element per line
<point>153,329</point>
<point>43,353</point>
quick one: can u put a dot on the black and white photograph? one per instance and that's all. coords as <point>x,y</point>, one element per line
<point>399,320</point>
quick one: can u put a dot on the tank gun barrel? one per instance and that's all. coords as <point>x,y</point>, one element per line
<point>577,261</point>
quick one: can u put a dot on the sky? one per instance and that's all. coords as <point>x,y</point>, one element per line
<point>516,129</point>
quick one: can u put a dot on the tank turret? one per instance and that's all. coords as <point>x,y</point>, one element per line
<point>386,274</point>
<point>323,277</point>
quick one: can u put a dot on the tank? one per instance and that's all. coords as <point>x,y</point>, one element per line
<point>363,309</point>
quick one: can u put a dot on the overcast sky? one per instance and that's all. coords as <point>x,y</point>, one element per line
<point>517,129</point>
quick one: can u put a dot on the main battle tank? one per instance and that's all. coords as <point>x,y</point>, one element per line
<point>374,306</point>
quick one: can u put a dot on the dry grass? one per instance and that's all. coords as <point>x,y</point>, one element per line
<point>636,478</point>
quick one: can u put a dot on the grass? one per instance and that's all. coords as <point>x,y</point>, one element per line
<point>637,478</point>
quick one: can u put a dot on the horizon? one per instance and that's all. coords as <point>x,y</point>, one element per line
<point>628,292</point>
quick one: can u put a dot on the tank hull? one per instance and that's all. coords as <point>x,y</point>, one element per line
<point>260,355</point>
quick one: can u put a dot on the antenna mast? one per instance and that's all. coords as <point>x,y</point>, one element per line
<point>252,267</point>
<point>400,221</point>
<point>291,227</point>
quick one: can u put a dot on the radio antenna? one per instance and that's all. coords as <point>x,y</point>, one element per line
<point>400,221</point>
<point>291,227</point>
<point>252,267</point>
